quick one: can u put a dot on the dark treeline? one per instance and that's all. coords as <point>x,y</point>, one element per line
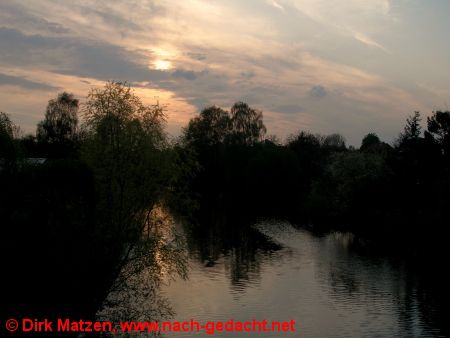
<point>76,197</point>
<point>396,193</point>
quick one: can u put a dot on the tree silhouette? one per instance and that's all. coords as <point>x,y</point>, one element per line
<point>334,142</point>
<point>247,123</point>
<point>212,126</point>
<point>242,126</point>
<point>412,130</point>
<point>125,146</point>
<point>307,147</point>
<point>370,141</point>
<point>61,120</point>
<point>8,144</point>
<point>439,127</point>
<point>85,216</point>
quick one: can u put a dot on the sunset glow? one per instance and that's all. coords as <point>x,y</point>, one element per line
<point>162,65</point>
<point>351,67</point>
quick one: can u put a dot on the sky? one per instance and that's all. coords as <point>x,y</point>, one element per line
<point>324,66</point>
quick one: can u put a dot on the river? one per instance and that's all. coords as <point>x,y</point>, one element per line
<point>321,282</point>
<point>329,284</point>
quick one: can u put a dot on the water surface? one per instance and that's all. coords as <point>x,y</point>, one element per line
<point>277,272</point>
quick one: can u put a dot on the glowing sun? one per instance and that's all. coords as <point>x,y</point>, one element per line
<point>162,64</point>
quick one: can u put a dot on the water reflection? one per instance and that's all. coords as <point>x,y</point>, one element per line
<point>238,250</point>
<point>326,283</point>
<point>331,285</point>
<point>158,257</point>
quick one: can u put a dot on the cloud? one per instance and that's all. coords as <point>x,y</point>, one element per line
<point>318,91</point>
<point>248,74</point>
<point>275,4</point>
<point>288,108</point>
<point>357,19</point>
<point>368,41</point>
<point>24,83</point>
<point>14,14</point>
<point>342,11</point>
<point>74,56</point>
<point>196,56</point>
<point>386,6</point>
<point>219,52</point>
<point>185,74</point>
<point>200,102</point>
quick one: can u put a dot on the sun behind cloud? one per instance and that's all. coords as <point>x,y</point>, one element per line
<point>162,64</point>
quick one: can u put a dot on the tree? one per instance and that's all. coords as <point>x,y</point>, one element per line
<point>439,127</point>
<point>370,142</point>
<point>247,123</point>
<point>212,126</point>
<point>307,148</point>
<point>358,180</point>
<point>7,127</point>
<point>126,147</point>
<point>61,120</point>
<point>8,146</point>
<point>243,125</point>
<point>412,130</point>
<point>334,142</point>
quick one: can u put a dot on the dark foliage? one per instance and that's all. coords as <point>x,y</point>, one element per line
<point>379,191</point>
<point>74,201</point>
<point>57,133</point>
<point>74,204</point>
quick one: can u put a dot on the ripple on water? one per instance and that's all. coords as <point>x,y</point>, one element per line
<point>320,282</point>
